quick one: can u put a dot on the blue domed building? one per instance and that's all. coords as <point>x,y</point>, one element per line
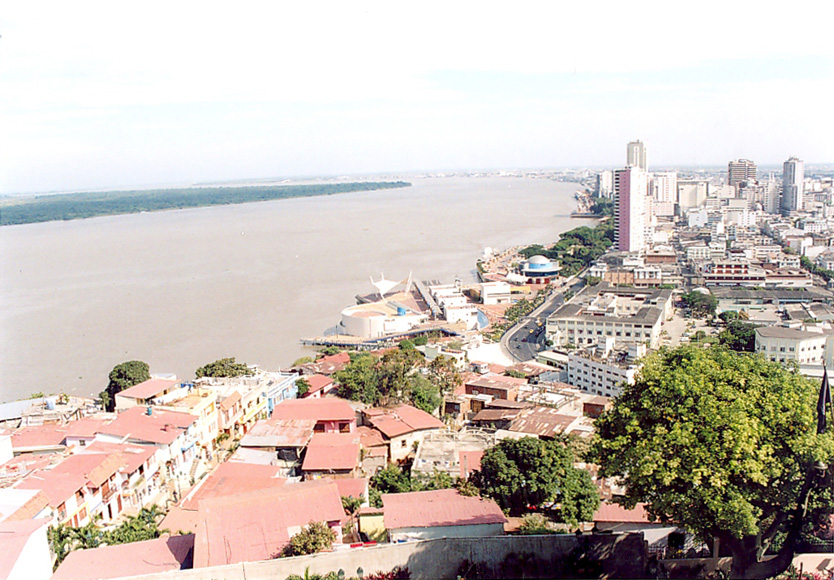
<point>539,270</point>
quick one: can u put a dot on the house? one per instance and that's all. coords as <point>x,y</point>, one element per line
<point>80,487</point>
<point>403,427</point>
<point>333,455</point>
<point>444,513</point>
<point>374,451</point>
<point>284,439</point>
<point>146,392</point>
<point>228,479</point>
<point>332,415</point>
<point>258,525</point>
<point>25,550</point>
<point>496,386</point>
<point>455,453</point>
<point>163,554</point>
<point>171,432</point>
<point>320,386</point>
<point>548,423</point>
<point>39,439</point>
<point>326,365</point>
<point>140,481</point>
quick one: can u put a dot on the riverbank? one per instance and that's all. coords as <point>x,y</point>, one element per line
<point>72,206</point>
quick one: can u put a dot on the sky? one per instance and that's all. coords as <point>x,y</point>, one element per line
<point>97,95</point>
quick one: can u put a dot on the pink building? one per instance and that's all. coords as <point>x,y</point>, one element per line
<point>331,415</point>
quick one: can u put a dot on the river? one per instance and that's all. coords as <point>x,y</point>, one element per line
<point>178,289</point>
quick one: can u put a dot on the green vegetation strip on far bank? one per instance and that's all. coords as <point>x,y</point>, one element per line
<point>70,206</point>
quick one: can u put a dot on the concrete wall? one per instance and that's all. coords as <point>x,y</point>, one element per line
<point>437,532</point>
<point>552,556</point>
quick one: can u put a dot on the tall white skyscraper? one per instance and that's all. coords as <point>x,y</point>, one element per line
<point>636,155</point>
<point>793,185</point>
<point>631,225</point>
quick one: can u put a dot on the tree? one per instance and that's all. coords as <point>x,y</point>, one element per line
<point>721,443</point>
<point>303,386</point>
<point>525,473</point>
<point>224,368</point>
<point>702,305</point>
<point>443,372</point>
<point>316,537</point>
<point>739,335</point>
<point>123,376</point>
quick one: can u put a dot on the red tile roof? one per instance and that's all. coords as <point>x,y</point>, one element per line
<point>23,504</point>
<point>401,420</point>
<point>328,409</point>
<point>133,559</point>
<point>38,436</point>
<point>317,383</point>
<point>233,478</point>
<point>443,507</point>
<point>353,487</point>
<point>133,456</point>
<point>148,389</point>
<point>229,402</point>
<point>161,427</point>
<point>13,538</point>
<point>72,474</point>
<point>332,452</point>
<point>253,526</point>
<point>614,513</point>
<point>86,427</point>
<point>327,365</point>
<point>370,437</point>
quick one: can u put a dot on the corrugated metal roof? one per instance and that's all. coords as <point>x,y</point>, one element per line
<point>444,507</point>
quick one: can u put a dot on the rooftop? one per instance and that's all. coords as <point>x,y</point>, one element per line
<point>401,420</point>
<point>132,559</point>
<point>231,479</point>
<point>161,427</point>
<point>327,409</point>
<point>279,433</point>
<point>332,452</point>
<point>444,507</point>
<point>254,526</point>
<point>148,389</point>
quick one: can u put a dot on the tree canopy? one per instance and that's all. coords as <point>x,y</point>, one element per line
<point>701,304</point>
<point>316,537</point>
<point>399,376</point>
<point>520,474</point>
<point>123,376</point>
<point>223,368</point>
<point>577,248</point>
<point>722,443</point>
<point>739,335</point>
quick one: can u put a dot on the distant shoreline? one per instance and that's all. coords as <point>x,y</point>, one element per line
<point>72,206</point>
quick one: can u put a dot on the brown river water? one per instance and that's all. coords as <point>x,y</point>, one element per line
<point>178,289</point>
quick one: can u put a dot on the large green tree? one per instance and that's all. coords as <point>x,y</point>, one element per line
<point>723,443</point>
<point>739,335</point>
<point>524,473</point>
<point>224,368</point>
<point>123,376</point>
<point>702,304</point>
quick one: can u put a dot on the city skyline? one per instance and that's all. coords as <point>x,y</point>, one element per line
<point>102,96</point>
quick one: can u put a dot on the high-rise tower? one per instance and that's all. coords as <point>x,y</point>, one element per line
<point>742,170</point>
<point>793,186</point>
<point>630,221</point>
<point>636,155</point>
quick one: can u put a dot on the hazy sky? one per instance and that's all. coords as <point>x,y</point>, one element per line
<point>120,94</point>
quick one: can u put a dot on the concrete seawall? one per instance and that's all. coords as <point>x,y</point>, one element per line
<point>550,556</point>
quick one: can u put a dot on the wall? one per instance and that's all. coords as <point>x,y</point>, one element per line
<point>436,532</point>
<point>552,556</point>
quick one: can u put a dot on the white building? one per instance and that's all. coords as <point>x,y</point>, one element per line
<point>603,371</point>
<point>495,293</point>
<point>793,185</point>
<point>636,155</point>
<point>691,194</point>
<point>805,344</point>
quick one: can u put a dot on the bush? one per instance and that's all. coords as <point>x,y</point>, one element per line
<point>316,537</point>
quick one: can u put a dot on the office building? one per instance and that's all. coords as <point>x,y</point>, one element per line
<point>740,171</point>
<point>793,177</point>
<point>631,227</point>
<point>636,155</point>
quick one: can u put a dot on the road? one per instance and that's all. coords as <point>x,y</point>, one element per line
<point>527,337</point>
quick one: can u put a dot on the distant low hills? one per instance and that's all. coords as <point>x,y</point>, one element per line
<point>71,206</point>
